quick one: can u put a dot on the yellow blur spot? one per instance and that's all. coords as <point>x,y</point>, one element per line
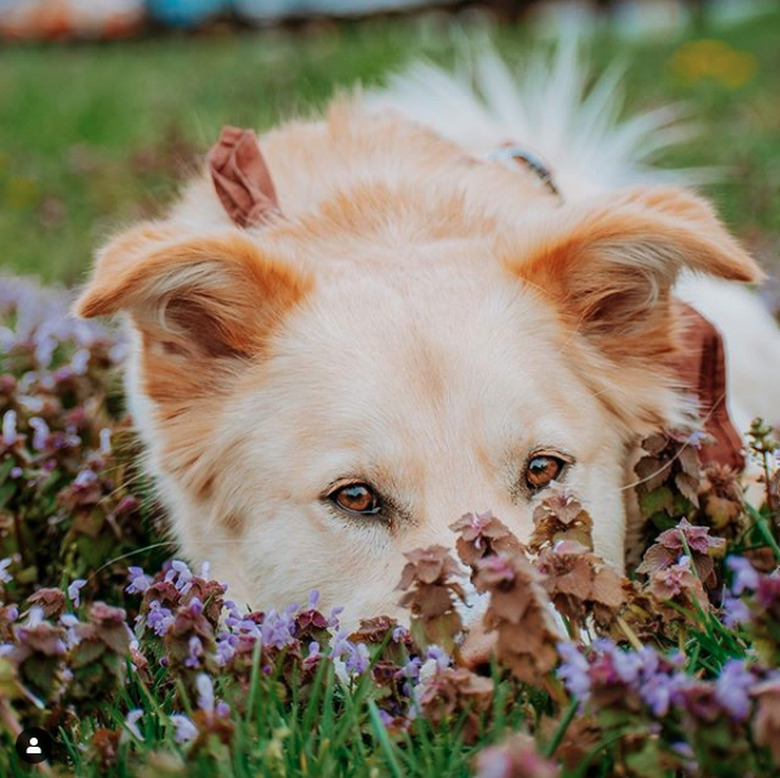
<point>715,60</point>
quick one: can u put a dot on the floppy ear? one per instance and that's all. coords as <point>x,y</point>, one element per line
<point>610,268</point>
<point>215,298</point>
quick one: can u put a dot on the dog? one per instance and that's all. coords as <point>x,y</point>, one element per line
<point>401,315</point>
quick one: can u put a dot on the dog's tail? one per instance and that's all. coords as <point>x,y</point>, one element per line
<point>548,109</point>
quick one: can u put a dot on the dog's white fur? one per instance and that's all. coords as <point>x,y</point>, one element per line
<point>421,320</point>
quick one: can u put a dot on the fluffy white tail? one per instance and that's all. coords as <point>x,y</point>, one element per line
<point>546,108</point>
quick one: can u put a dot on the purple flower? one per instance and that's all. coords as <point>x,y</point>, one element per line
<point>195,652</point>
<point>41,433</point>
<point>206,700</point>
<point>732,689</point>
<point>745,575</point>
<point>73,591</point>
<point>105,441</point>
<point>5,576</point>
<point>139,581</point>
<point>573,671</point>
<point>333,619</point>
<point>277,628</point>
<point>314,598</point>
<point>180,576</point>
<point>131,722</point>
<point>355,656</point>
<point>69,621</point>
<point>159,619</point>
<point>225,649</point>
<point>400,633</point>
<point>9,434</point>
<point>79,362</point>
<point>734,612</point>
<point>85,479</point>
<point>185,729</point>
<point>657,691</point>
<point>205,687</point>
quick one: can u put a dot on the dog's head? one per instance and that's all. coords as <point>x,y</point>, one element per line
<point>323,394</point>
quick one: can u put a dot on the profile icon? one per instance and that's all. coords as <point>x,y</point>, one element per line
<point>34,745</point>
<point>33,748</point>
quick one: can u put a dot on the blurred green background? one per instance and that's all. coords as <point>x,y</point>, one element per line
<point>94,136</point>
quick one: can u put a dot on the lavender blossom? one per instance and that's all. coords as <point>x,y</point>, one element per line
<point>573,671</point>
<point>746,577</point>
<point>5,576</point>
<point>131,724</point>
<point>139,581</point>
<point>195,653</point>
<point>159,619</point>
<point>186,730</point>
<point>732,689</point>
<point>73,591</point>
<point>9,433</point>
<point>41,433</point>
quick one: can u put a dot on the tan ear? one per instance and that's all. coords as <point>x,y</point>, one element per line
<point>215,296</point>
<point>610,266</point>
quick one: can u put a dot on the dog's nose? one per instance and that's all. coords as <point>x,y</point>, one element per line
<point>477,649</point>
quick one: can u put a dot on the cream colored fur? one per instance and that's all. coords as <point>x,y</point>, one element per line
<point>421,320</point>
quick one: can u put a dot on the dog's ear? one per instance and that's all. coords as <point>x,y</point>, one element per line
<point>216,297</point>
<point>610,266</point>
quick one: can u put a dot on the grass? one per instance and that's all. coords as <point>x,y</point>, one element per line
<point>95,136</point>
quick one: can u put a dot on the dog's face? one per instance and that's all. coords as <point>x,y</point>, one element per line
<point>314,408</point>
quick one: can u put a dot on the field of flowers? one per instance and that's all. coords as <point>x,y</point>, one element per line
<point>139,666</point>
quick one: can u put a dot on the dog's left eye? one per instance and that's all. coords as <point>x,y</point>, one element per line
<point>357,498</point>
<point>542,470</point>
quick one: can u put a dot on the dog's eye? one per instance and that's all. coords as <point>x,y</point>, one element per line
<point>357,498</point>
<point>541,470</point>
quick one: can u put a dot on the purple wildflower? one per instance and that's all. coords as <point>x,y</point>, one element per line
<point>732,689</point>
<point>9,433</point>
<point>206,700</point>
<point>314,598</point>
<point>131,722</point>
<point>159,619</point>
<point>85,479</point>
<point>139,581</point>
<point>205,687</point>
<point>185,729</point>
<point>79,362</point>
<point>333,618</point>
<point>573,671</point>
<point>225,649</point>
<point>41,433</point>
<point>745,575</point>
<point>105,441</point>
<point>194,654</point>
<point>180,576</point>
<point>5,576</point>
<point>73,591</point>
<point>734,612</point>
<point>277,628</point>
<point>70,622</point>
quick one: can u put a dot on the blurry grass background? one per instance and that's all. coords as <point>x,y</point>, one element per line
<point>93,136</point>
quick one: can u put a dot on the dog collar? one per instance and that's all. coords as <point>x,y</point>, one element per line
<point>511,156</point>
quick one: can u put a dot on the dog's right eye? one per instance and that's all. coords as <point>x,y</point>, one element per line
<point>357,498</point>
